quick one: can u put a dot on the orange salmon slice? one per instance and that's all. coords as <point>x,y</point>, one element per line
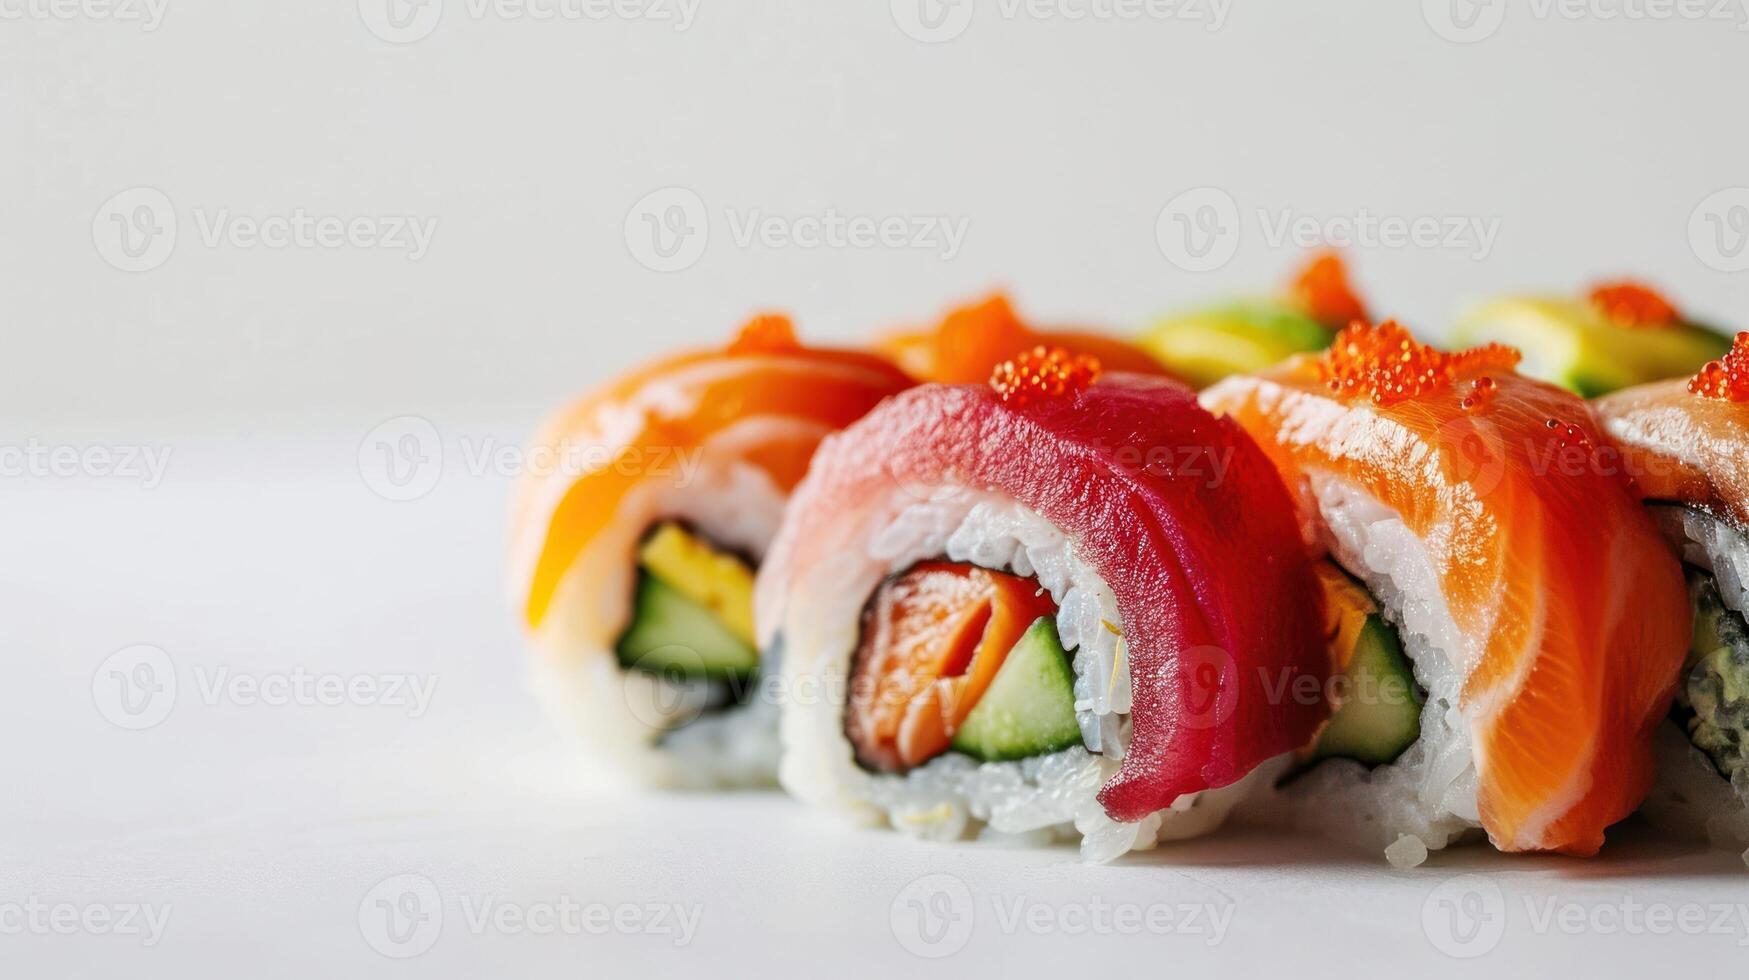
<point>933,639</point>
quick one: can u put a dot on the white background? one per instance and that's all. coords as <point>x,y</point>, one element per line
<point>1589,142</point>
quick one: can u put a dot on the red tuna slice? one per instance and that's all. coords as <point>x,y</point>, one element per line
<point>1178,511</point>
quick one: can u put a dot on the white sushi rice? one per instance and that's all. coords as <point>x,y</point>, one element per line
<point>1426,798</point>
<point>1690,796</point>
<point>643,729</point>
<point>951,797</point>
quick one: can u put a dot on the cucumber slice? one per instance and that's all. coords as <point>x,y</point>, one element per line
<point>671,634</point>
<point>1382,714</point>
<point>1029,707</point>
<point>1713,699</point>
<point>713,578</point>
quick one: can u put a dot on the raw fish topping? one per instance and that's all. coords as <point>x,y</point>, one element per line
<point>933,640</point>
<point>1727,377</point>
<point>1043,372</point>
<point>1386,365</point>
<point>973,339</point>
<point>767,333</point>
<point>1322,291</point>
<point>1634,304</point>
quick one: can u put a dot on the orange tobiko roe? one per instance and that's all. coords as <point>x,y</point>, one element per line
<point>765,333</point>
<point>1385,364</point>
<point>1727,377</point>
<point>972,340</point>
<point>1634,304</point>
<point>932,641</point>
<point>1043,372</point>
<point>1323,293</point>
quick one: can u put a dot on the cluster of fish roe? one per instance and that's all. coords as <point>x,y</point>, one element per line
<point>1323,293</point>
<point>1481,395</point>
<point>1634,304</point>
<point>767,333</point>
<point>1386,365</point>
<point>1568,434</point>
<point>1043,372</point>
<point>1727,377</point>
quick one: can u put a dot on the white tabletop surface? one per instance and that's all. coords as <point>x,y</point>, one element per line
<point>261,838</point>
<point>1595,145</point>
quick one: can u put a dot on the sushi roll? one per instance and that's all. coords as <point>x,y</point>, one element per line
<point>1203,346</point>
<point>1055,605</point>
<point>971,340</point>
<point>1513,619</point>
<point>1686,444</point>
<point>634,553</point>
<point>1621,333</point>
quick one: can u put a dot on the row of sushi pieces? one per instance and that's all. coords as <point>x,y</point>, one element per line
<point>989,580</point>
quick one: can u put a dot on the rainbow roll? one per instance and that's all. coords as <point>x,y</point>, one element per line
<point>1058,605</point>
<point>1687,446</point>
<point>634,551</point>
